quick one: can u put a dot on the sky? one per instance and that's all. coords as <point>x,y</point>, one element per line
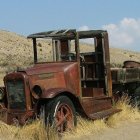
<point>121,18</point>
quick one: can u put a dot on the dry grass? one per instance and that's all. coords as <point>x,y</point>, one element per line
<point>88,128</point>
<point>34,131</point>
<point>128,113</point>
<point>85,128</point>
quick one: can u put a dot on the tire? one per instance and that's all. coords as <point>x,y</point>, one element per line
<point>60,113</point>
<point>137,97</point>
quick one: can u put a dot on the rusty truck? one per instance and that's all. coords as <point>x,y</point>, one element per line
<point>69,83</point>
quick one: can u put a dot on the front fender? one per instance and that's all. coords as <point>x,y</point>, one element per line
<point>50,93</point>
<point>53,92</point>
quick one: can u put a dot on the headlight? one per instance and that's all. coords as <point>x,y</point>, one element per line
<point>1,93</point>
<point>36,92</point>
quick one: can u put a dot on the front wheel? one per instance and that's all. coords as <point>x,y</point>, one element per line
<point>60,113</point>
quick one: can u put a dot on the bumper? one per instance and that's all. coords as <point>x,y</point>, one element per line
<point>15,117</point>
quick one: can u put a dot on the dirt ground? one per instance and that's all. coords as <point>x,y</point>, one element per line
<point>125,131</point>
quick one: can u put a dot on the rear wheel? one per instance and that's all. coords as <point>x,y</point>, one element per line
<point>60,113</point>
<point>137,97</point>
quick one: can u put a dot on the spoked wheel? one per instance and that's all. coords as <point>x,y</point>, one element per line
<point>64,118</point>
<point>61,114</point>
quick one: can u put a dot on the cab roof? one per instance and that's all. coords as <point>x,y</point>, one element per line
<point>69,34</point>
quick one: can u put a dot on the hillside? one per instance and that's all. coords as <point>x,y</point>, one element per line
<point>16,51</point>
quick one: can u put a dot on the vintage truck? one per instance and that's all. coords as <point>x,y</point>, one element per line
<point>70,83</point>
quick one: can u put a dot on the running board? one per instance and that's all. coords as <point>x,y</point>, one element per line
<point>104,113</point>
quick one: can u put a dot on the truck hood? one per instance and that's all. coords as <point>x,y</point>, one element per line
<point>49,68</point>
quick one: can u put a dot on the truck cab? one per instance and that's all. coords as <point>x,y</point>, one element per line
<point>70,82</point>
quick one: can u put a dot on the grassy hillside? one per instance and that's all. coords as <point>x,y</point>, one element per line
<point>16,51</point>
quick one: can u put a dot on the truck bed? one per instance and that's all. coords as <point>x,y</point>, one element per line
<point>125,75</point>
